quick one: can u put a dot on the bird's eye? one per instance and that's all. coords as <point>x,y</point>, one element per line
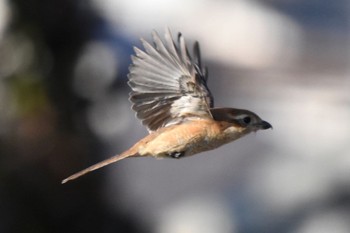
<point>247,120</point>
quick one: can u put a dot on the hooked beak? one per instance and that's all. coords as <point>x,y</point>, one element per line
<point>265,125</point>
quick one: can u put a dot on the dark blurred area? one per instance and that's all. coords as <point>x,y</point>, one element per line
<point>64,106</point>
<point>44,131</point>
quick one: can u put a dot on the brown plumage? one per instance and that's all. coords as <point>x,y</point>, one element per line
<point>171,98</point>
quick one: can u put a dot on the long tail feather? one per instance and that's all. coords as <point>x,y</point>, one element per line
<point>103,163</point>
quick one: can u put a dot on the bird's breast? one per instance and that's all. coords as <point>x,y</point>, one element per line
<point>191,138</point>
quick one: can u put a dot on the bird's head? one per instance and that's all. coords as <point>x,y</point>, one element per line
<point>246,120</point>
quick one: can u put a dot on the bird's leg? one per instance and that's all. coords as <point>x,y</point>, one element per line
<point>176,155</point>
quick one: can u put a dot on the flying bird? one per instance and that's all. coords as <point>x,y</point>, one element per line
<point>171,98</point>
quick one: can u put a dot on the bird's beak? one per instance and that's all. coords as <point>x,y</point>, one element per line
<point>265,125</point>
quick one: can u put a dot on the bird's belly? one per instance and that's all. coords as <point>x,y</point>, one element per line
<point>186,148</point>
<point>186,141</point>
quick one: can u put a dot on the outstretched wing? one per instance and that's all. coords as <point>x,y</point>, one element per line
<point>168,86</point>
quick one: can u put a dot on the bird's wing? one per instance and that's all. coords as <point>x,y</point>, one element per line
<point>168,86</point>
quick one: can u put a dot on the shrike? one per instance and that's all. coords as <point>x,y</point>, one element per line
<point>171,97</point>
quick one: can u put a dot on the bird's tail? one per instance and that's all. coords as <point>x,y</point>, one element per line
<point>116,158</point>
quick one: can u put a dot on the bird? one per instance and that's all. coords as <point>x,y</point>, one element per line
<point>170,96</point>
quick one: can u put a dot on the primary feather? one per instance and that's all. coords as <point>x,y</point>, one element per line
<point>168,86</point>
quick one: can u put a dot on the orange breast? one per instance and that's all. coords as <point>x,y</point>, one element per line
<point>190,137</point>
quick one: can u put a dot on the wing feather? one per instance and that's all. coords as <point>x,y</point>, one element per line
<point>168,86</point>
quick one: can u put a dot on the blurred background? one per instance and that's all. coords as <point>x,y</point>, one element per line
<point>64,106</point>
